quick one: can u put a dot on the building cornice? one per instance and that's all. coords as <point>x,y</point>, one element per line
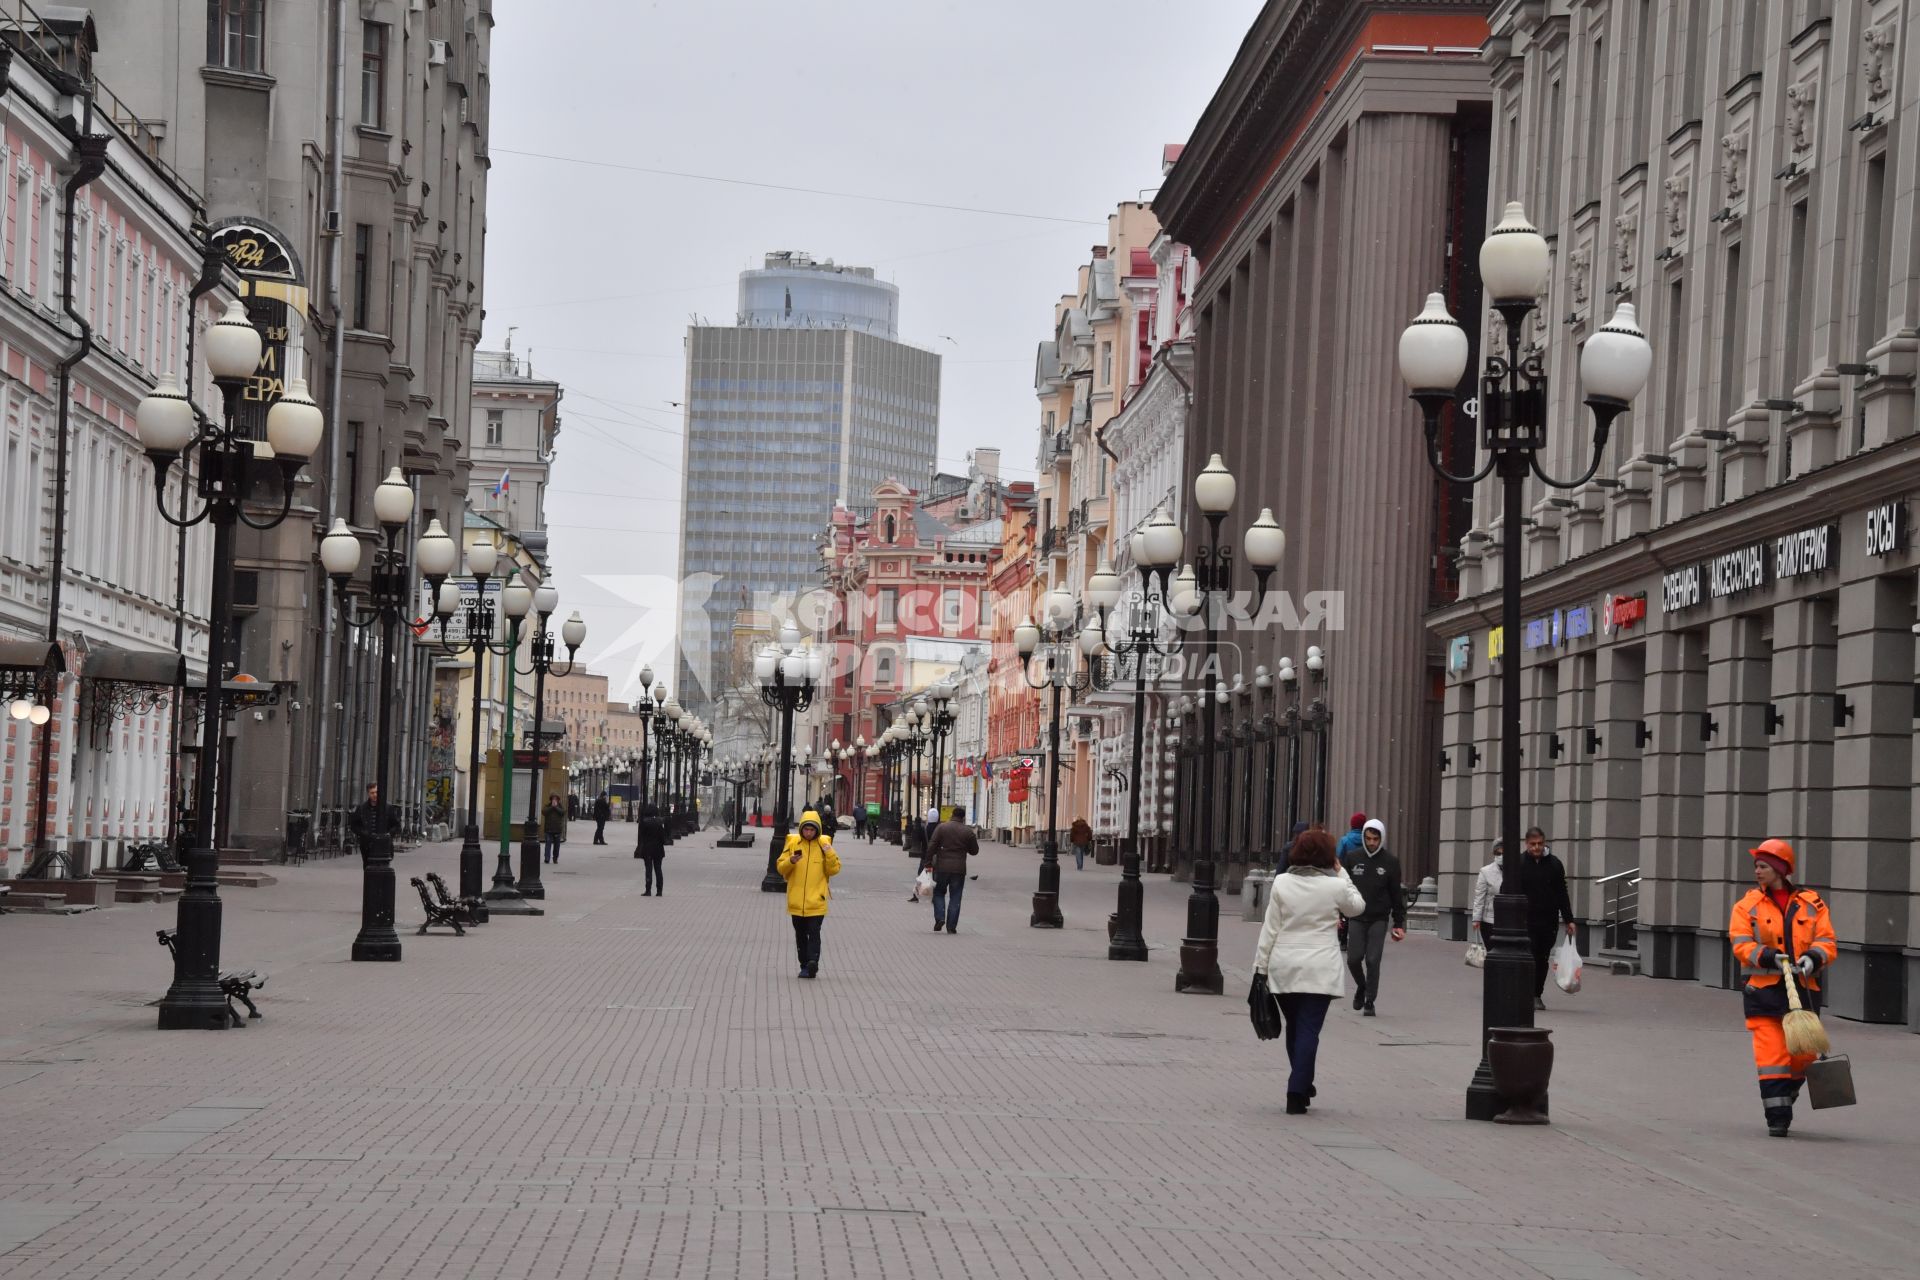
<point>1274,84</point>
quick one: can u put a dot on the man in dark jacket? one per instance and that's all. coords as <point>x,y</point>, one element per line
<point>1376,873</point>
<point>948,849</point>
<point>1351,845</point>
<point>365,822</point>
<point>602,810</point>
<point>651,846</point>
<point>1543,879</point>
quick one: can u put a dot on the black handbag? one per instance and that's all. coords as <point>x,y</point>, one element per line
<point>1262,1008</point>
<point>1830,1082</point>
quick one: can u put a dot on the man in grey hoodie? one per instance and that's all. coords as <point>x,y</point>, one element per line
<point>1376,873</point>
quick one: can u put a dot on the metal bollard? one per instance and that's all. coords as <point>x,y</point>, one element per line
<point>1254,892</point>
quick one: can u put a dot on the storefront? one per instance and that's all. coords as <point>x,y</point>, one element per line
<point>1746,673</point>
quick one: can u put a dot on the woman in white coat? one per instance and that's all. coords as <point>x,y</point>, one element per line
<point>1486,887</point>
<point>1299,951</point>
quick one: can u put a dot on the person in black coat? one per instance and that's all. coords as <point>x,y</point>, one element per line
<point>365,822</point>
<point>602,810</point>
<point>1543,880</point>
<point>651,847</point>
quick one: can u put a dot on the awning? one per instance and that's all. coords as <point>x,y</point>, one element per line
<point>135,666</point>
<point>31,655</point>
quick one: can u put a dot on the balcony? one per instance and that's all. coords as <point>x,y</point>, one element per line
<point>1054,542</point>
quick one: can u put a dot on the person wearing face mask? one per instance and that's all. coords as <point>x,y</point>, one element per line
<point>1779,926</point>
<point>1376,873</point>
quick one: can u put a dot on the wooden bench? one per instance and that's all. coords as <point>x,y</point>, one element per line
<point>235,984</point>
<point>472,910</point>
<point>437,914</point>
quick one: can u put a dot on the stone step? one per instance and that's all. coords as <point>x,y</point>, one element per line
<point>41,904</point>
<point>244,878</point>
<point>245,858</point>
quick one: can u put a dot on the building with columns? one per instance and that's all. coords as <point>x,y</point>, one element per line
<point>1337,172</point>
<point>1718,644</point>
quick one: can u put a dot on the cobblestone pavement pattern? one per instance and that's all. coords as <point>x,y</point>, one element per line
<point>632,1087</point>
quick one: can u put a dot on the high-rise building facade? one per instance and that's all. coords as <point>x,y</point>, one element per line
<point>1717,644</point>
<point>808,400</point>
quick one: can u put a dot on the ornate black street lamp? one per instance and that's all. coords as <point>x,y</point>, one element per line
<point>1156,549</point>
<point>225,466</point>
<point>940,725</point>
<point>651,696</point>
<point>482,559</point>
<point>1319,718</point>
<point>1208,584</point>
<point>540,651</point>
<point>1061,673</point>
<point>787,674</point>
<point>1512,410</point>
<point>389,598</point>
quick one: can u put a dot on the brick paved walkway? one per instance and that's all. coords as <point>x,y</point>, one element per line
<point>634,1087</point>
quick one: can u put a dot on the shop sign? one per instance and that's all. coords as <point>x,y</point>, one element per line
<point>1459,654</point>
<point>1809,551</point>
<point>1537,634</point>
<point>1621,612</point>
<point>1580,622</point>
<point>1680,589</point>
<point>1733,573</point>
<point>1496,644</point>
<point>1887,529</point>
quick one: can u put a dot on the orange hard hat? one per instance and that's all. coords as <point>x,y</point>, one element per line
<point>1775,851</point>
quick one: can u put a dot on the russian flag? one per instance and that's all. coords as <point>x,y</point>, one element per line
<point>501,488</point>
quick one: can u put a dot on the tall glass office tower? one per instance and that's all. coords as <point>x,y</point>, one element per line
<point>808,399</point>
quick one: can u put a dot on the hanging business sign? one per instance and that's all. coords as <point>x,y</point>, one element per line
<point>1887,529</point>
<point>1680,590</point>
<point>1459,654</point>
<point>1537,634</point>
<point>1496,644</point>
<point>1580,622</point>
<point>1621,612</point>
<point>272,287</point>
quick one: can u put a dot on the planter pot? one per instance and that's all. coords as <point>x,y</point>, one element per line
<point>1521,1059</point>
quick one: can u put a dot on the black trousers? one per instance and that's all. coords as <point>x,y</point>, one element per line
<point>599,830</point>
<point>1542,938</point>
<point>1366,946</point>
<point>806,939</point>
<point>656,876</point>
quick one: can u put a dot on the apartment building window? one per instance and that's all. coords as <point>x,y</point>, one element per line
<point>950,607</point>
<point>1876,251</point>
<point>884,607</point>
<point>1597,120</point>
<point>362,272</point>
<point>1733,330</point>
<point>373,74</point>
<point>1106,364</point>
<point>236,34</point>
<point>350,471</point>
<point>1799,330</point>
<point>496,425</point>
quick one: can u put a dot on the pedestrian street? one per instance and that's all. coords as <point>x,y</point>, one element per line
<point>635,1087</point>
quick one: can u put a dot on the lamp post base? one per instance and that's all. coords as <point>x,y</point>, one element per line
<point>1506,1000</point>
<point>376,940</point>
<point>1046,900</point>
<point>529,883</point>
<point>473,862</point>
<point>1127,942</point>
<point>1200,949</point>
<point>194,1001</point>
<point>771,882</point>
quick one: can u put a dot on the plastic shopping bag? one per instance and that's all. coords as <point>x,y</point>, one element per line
<point>923,887</point>
<point>1476,956</point>
<point>1565,965</point>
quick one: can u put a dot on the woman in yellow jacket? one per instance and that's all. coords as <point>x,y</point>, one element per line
<point>806,864</point>
<point>1778,925</point>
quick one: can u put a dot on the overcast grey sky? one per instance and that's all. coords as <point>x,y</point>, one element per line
<point>1055,110</point>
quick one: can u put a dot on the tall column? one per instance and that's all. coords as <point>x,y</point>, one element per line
<point>1800,764</point>
<point>1870,877</point>
<point>1673,804</point>
<point>1391,247</point>
<point>1738,685</point>
<point>1618,768</point>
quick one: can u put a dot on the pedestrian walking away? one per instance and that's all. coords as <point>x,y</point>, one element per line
<point>913,835</point>
<point>1299,955</point>
<point>365,822</point>
<point>1080,836</point>
<point>1486,887</point>
<point>1779,926</point>
<point>860,824</point>
<point>651,847</point>
<point>602,810</point>
<point>948,849</point>
<point>553,829</point>
<point>1376,874</point>
<point>1353,843</point>
<point>1544,882</point>
<point>807,864</point>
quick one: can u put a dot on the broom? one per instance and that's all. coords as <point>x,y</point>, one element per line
<point>1805,1036</point>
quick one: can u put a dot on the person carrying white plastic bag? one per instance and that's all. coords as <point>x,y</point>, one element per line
<point>1566,965</point>
<point>923,886</point>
